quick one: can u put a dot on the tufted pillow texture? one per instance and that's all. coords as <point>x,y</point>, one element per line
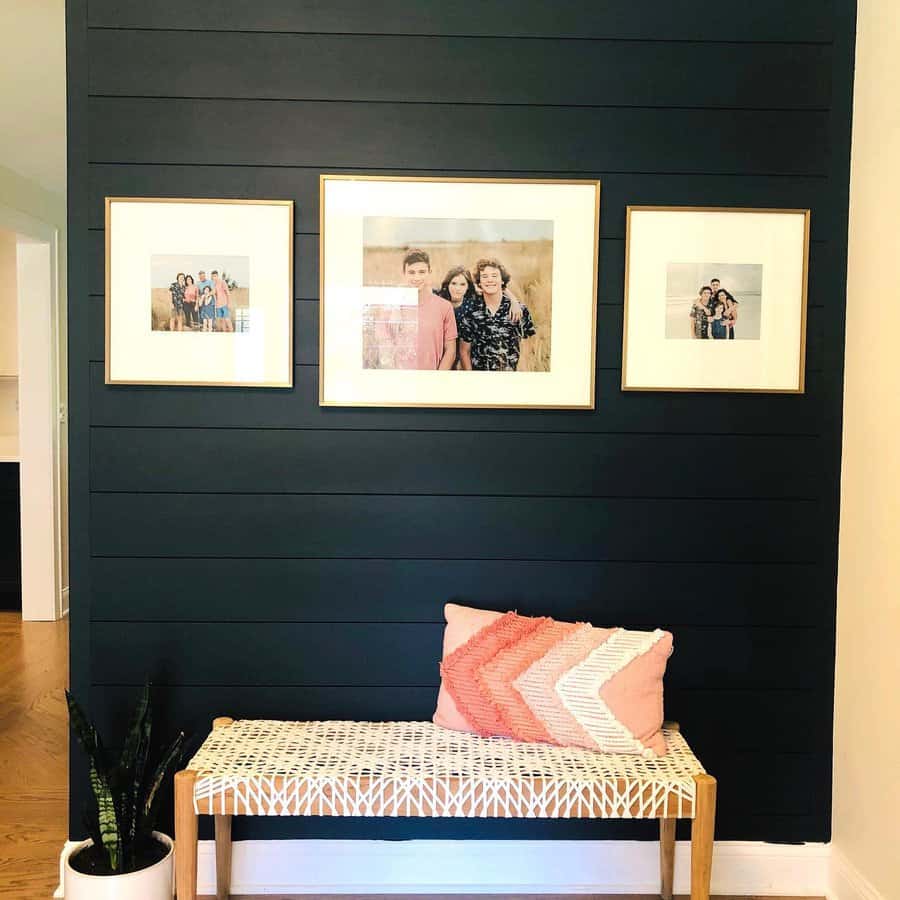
<point>536,679</point>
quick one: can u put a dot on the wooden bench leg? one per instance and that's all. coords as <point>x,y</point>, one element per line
<point>702,833</point>
<point>223,837</point>
<point>223,857</point>
<point>666,857</point>
<point>185,836</point>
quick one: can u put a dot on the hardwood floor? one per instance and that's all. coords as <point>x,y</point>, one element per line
<point>33,755</point>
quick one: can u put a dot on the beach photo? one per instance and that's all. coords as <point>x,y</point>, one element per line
<point>457,294</point>
<point>699,275</point>
<point>713,301</point>
<point>207,293</point>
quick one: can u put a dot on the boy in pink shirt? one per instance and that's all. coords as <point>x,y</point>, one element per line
<point>436,333</point>
<point>223,313</point>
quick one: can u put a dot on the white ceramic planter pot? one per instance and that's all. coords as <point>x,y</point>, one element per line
<point>152,883</point>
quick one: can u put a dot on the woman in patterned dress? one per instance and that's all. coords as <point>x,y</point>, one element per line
<point>699,314</point>
<point>176,291</point>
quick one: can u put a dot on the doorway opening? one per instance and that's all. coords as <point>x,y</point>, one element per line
<point>32,418</point>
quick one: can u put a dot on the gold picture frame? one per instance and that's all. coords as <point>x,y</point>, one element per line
<point>459,184</point>
<point>673,240</point>
<point>273,358</point>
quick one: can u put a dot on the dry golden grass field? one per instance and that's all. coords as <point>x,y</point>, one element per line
<point>530,264</point>
<point>161,306</point>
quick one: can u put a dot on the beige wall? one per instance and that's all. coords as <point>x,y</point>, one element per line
<point>33,91</point>
<point>867,694</point>
<point>9,426</point>
<point>8,303</point>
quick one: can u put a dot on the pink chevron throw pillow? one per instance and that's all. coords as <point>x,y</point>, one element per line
<point>535,679</point>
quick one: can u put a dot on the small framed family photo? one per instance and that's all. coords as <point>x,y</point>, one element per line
<point>457,292</point>
<point>715,299</point>
<point>199,292</point>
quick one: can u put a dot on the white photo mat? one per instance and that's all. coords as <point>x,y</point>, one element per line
<point>778,240</point>
<point>573,208</point>
<point>138,230</point>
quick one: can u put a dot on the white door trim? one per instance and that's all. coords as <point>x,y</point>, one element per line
<point>37,260</point>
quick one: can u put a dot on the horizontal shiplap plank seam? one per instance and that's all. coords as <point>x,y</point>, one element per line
<point>300,365</point>
<point>570,172</point>
<point>695,626</point>
<point>504,559</point>
<point>646,137</point>
<point>266,685</point>
<point>788,110</point>
<point>487,172</point>
<point>750,75</point>
<point>486,495</point>
<point>298,409</point>
<point>673,562</point>
<point>427,685</point>
<point>261,685</point>
<point>511,431</point>
<point>821,242</point>
<point>690,498</point>
<point>312,365</point>
<point>762,21</point>
<point>591,39</point>
<point>641,562</point>
<point>604,304</point>
<point>611,304</point>
<point>507,431</point>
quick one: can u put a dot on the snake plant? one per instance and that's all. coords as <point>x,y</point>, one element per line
<point>126,790</point>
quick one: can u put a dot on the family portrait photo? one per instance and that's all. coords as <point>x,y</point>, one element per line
<point>695,276</point>
<point>713,301</point>
<point>188,266</point>
<point>457,294</point>
<point>206,294</point>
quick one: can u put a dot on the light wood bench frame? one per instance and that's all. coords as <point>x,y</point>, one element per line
<point>187,810</point>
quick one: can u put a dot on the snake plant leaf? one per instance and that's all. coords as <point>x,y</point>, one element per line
<point>91,825</point>
<point>138,779</point>
<point>106,811</point>
<point>132,768</point>
<point>84,732</point>
<point>138,731</point>
<point>125,799</point>
<point>171,759</point>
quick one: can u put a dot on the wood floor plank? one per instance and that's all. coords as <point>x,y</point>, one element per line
<point>33,755</point>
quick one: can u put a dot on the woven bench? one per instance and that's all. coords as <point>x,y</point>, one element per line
<point>265,768</point>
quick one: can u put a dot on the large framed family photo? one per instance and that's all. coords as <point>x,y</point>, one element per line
<point>715,299</point>
<point>199,292</point>
<point>452,292</point>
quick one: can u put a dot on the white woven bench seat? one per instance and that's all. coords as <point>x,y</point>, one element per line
<point>277,768</point>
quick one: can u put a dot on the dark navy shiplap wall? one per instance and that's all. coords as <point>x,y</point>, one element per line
<point>304,574</point>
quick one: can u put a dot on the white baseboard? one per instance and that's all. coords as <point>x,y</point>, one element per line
<point>846,882</point>
<point>510,867</point>
<point>513,867</point>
